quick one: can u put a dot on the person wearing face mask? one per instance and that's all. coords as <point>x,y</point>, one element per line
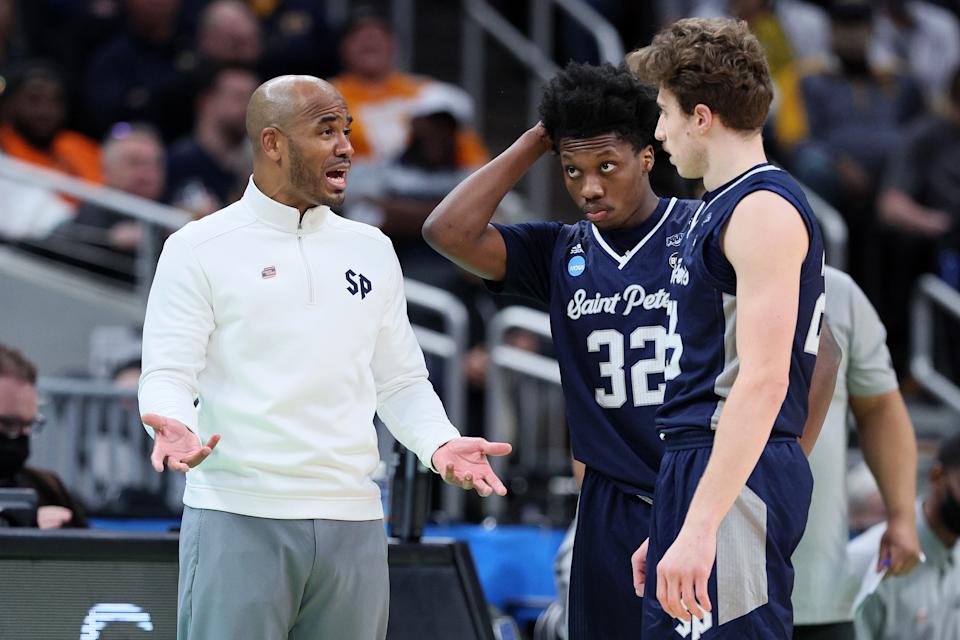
<point>926,602</point>
<point>18,419</point>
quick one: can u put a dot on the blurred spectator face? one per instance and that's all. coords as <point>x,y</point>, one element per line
<point>897,9</point>
<point>367,50</point>
<point>436,137</point>
<point>945,495</point>
<point>134,163</point>
<point>229,33</point>
<point>747,9</point>
<point>37,110</point>
<point>226,102</point>
<point>18,410</point>
<point>6,18</point>
<point>152,17</point>
<point>851,38</point>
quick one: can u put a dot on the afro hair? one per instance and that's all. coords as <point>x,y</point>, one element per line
<point>584,100</point>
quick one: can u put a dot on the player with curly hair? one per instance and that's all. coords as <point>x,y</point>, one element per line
<point>604,280</point>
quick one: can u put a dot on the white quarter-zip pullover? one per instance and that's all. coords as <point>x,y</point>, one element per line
<point>291,334</point>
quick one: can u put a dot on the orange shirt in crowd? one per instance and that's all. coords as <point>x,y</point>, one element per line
<point>381,118</point>
<point>71,153</point>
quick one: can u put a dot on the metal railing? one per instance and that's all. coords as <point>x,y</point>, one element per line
<point>932,294</point>
<point>95,442</point>
<point>609,43</point>
<point>533,53</point>
<point>524,405</point>
<point>834,229</point>
<point>448,348</point>
<point>152,215</point>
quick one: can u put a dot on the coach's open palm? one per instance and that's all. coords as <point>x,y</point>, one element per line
<point>463,462</point>
<point>176,444</point>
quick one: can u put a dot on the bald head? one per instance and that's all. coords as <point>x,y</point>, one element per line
<point>286,101</point>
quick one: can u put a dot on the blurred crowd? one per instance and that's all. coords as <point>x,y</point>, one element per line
<point>148,97</point>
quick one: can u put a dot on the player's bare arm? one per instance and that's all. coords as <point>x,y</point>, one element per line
<point>822,386</point>
<point>890,451</point>
<point>766,242</point>
<point>459,227</point>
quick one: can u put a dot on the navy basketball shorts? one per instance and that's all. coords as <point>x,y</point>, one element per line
<point>752,578</point>
<point>611,524</point>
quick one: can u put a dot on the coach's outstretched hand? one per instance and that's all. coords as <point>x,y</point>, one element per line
<point>176,444</point>
<point>463,462</point>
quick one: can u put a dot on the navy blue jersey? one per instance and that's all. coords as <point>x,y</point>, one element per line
<point>703,286</point>
<point>607,297</point>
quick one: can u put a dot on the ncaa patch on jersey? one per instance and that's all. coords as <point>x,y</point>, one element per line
<point>576,266</point>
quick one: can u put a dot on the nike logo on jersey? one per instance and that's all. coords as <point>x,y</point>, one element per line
<point>633,297</point>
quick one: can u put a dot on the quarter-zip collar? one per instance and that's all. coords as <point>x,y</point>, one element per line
<point>280,216</point>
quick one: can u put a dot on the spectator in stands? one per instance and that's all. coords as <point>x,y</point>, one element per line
<point>18,419</point>
<point>143,73</point>
<point>919,203</point>
<point>856,114</point>
<point>803,27</point>
<point>399,196</point>
<point>133,162</point>
<point>925,603</point>
<point>228,33</point>
<point>34,111</point>
<point>795,37</point>
<point>13,45</point>
<point>210,169</point>
<point>30,212</point>
<point>296,38</point>
<point>380,96</point>
<point>920,196</point>
<point>867,385</point>
<point>922,40</point>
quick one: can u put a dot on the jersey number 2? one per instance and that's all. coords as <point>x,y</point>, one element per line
<point>643,395</point>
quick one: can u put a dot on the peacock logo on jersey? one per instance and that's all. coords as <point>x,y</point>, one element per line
<point>680,275</point>
<point>633,297</point>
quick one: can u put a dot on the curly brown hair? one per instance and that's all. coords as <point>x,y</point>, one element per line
<point>712,61</point>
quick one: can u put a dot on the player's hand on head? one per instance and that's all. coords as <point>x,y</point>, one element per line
<point>542,138</point>
<point>174,442</point>
<point>463,462</point>
<point>683,574</point>
<point>899,546</point>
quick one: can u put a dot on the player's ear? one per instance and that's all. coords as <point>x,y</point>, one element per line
<point>702,117</point>
<point>647,158</point>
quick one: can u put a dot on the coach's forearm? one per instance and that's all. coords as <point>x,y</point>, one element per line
<point>462,217</point>
<point>889,448</point>
<point>744,428</point>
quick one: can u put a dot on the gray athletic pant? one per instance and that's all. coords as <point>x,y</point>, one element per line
<point>262,579</point>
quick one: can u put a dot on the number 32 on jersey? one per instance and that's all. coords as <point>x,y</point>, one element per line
<point>613,367</point>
